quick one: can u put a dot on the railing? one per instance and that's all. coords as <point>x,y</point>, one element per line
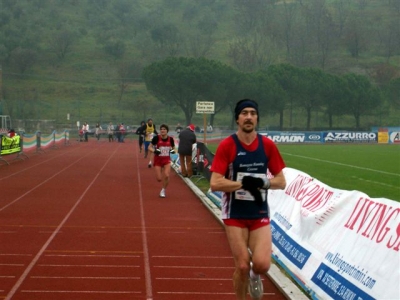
<point>20,144</point>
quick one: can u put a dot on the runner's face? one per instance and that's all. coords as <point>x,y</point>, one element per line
<point>247,120</point>
<point>163,132</point>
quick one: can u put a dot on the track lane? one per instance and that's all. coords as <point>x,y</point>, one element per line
<point>121,241</point>
<point>48,196</point>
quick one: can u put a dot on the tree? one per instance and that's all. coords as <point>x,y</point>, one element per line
<point>183,81</point>
<point>393,92</point>
<point>223,80</point>
<point>356,37</point>
<point>61,42</point>
<point>115,48</point>
<point>320,26</point>
<point>362,98</point>
<point>286,31</point>
<point>284,75</point>
<point>390,38</point>
<point>342,10</point>
<point>23,59</point>
<point>200,24</point>
<point>127,71</point>
<point>269,93</point>
<point>238,86</point>
<point>167,39</point>
<point>333,96</point>
<point>309,87</point>
<point>253,49</point>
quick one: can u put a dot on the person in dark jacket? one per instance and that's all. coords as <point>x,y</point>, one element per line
<point>187,138</point>
<point>141,132</point>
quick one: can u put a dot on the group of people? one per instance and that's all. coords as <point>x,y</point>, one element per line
<point>159,146</point>
<point>84,132</point>
<point>119,131</point>
<point>239,170</point>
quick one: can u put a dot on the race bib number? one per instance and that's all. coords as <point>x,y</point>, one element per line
<point>164,151</point>
<point>245,195</point>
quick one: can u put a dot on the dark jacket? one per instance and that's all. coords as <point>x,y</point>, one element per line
<point>186,140</point>
<point>141,130</point>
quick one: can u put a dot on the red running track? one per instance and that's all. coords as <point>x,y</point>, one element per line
<point>85,221</point>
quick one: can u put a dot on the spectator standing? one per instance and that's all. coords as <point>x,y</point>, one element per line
<point>98,131</point>
<point>118,133</point>
<point>122,130</point>
<point>178,128</point>
<point>81,135</point>
<point>110,132</point>
<point>85,129</point>
<point>186,140</point>
<point>140,131</point>
<point>239,170</point>
<point>162,145</point>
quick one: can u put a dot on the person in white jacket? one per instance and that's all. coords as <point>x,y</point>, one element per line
<point>85,129</point>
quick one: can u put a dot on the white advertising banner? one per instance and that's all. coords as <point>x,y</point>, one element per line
<point>340,244</point>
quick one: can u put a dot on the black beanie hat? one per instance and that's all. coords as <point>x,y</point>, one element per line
<point>240,105</point>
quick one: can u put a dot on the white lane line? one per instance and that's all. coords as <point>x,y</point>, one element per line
<point>88,266</point>
<point>192,267</point>
<point>190,256</point>
<point>83,277</point>
<point>50,239</point>
<point>344,165</point>
<point>81,292</point>
<point>91,255</point>
<point>15,254</point>
<point>376,182</point>
<point>147,272</point>
<point>202,293</point>
<point>196,279</point>
<point>38,164</point>
<point>45,181</point>
<point>199,293</point>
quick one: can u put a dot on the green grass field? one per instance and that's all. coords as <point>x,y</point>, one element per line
<point>370,168</point>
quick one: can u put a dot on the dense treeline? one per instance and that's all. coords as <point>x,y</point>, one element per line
<point>331,56</point>
<point>182,81</point>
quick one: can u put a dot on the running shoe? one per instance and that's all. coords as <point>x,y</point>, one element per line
<point>256,289</point>
<point>149,165</point>
<point>162,193</point>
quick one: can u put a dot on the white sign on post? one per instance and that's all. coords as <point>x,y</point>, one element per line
<point>204,107</point>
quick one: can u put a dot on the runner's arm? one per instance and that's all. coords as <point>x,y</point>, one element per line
<point>218,182</point>
<point>278,182</point>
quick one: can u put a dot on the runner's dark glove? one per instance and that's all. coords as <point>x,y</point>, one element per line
<point>172,151</point>
<point>157,151</point>
<point>253,185</point>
